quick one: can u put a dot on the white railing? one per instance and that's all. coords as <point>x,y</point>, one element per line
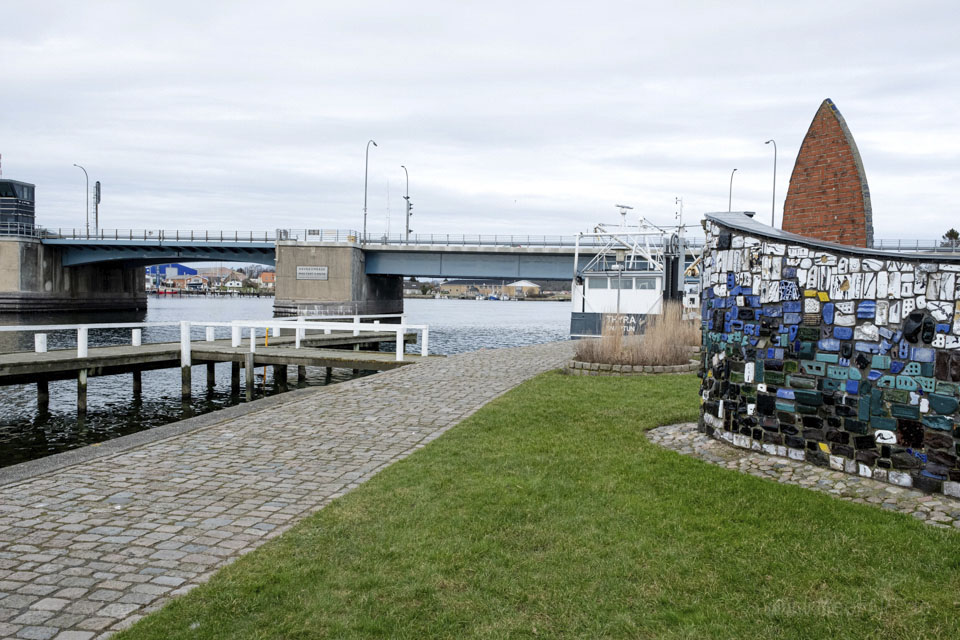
<point>300,325</point>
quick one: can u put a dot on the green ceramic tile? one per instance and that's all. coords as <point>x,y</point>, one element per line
<point>800,382</point>
<point>942,423</point>
<point>790,366</point>
<point>854,373</point>
<point>889,424</point>
<point>813,368</point>
<point>837,373</point>
<point>880,362</point>
<point>827,357</point>
<point>907,383</point>
<point>905,411</point>
<point>942,404</point>
<point>812,398</point>
<point>887,382</point>
<point>927,384</point>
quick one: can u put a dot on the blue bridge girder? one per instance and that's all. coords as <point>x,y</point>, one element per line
<point>148,252</point>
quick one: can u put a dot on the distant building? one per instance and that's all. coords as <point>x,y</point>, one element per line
<point>472,287</point>
<point>233,284</point>
<point>171,270</point>
<point>268,279</point>
<point>17,207</point>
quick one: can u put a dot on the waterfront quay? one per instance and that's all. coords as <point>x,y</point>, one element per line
<point>92,540</point>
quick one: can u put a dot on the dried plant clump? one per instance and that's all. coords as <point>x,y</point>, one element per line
<point>667,341</point>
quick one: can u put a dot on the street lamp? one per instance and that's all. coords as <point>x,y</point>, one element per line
<point>406,238</point>
<point>730,197</point>
<point>88,196</point>
<point>773,203</point>
<point>366,166</point>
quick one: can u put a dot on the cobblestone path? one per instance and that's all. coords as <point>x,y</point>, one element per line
<point>89,549</point>
<point>936,510</point>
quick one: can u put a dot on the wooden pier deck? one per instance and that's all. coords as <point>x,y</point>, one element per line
<point>315,350</point>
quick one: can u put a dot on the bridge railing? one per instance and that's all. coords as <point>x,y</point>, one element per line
<point>159,235</point>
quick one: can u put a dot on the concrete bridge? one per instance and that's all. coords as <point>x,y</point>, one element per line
<point>318,270</point>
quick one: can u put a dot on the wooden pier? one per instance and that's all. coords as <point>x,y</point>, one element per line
<point>335,350</point>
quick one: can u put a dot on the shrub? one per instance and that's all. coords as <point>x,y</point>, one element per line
<point>666,341</point>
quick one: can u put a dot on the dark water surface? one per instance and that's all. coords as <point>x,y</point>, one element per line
<point>456,326</point>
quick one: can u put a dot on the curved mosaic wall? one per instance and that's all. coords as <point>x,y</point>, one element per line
<point>844,357</point>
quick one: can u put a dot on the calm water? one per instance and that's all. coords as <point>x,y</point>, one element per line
<point>456,326</point>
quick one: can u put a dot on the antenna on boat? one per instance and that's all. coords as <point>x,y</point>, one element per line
<point>623,213</point>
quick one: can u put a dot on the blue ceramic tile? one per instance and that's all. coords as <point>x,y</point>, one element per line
<point>793,307</point>
<point>886,333</point>
<point>904,350</point>
<point>773,312</point>
<point>896,366</point>
<point>874,375</point>
<point>943,328</point>
<point>844,362</point>
<point>853,386</point>
<point>791,318</point>
<point>867,309</point>
<point>829,344</point>
<point>843,333</point>
<point>793,332</point>
<point>786,394</point>
<point>867,347</point>
<point>828,313</point>
<point>922,354</point>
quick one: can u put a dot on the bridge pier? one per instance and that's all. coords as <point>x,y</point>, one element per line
<point>234,378</point>
<point>82,392</point>
<point>34,280</point>
<point>330,278</point>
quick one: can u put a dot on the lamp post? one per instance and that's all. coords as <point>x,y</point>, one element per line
<point>730,196</point>
<point>406,238</point>
<point>773,202</point>
<point>366,166</point>
<point>88,195</point>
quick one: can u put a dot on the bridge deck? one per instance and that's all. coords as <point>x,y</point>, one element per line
<point>315,351</point>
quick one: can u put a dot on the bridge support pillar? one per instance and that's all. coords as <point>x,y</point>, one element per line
<point>280,376</point>
<point>301,375</point>
<point>329,278</point>
<point>137,385</point>
<point>211,375</point>
<point>34,280</point>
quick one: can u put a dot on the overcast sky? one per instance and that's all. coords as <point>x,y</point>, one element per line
<point>512,117</point>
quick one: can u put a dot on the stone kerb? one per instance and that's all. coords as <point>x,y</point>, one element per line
<point>577,368</point>
<point>849,360</point>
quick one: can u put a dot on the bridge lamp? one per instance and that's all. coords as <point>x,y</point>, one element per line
<point>773,202</point>
<point>88,195</point>
<point>730,197</point>
<point>366,166</point>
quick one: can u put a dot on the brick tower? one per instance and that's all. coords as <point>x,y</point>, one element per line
<point>828,197</point>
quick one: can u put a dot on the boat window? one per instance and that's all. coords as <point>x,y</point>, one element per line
<point>624,283</point>
<point>596,283</point>
<point>646,283</point>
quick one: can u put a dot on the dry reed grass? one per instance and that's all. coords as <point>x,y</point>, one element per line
<point>667,341</point>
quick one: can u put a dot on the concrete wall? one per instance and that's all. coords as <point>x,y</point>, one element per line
<point>843,358</point>
<point>32,279</point>
<point>347,289</point>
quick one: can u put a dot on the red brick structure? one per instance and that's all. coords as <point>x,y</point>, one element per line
<point>828,196</point>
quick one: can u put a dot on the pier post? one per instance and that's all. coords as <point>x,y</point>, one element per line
<point>185,360</point>
<point>280,376</point>
<point>136,337</point>
<point>328,375</point>
<point>211,375</point>
<point>234,378</point>
<point>248,370</point>
<point>301,375</point>
<point>137,385</point>
<point>82,392</point>
<point>43,396</point>
<point>356,372</point>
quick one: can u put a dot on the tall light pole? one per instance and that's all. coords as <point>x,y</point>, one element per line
<point>88,195</point>
<point>406,238</point>
<point>730,197</point>
<point>366,166</point>
<point>773,202</point>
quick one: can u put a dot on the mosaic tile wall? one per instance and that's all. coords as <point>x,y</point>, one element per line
<point>845,361</point>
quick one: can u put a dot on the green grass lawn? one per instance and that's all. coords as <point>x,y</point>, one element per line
<point>548,514</point>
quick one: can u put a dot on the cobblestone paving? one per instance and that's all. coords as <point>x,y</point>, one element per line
<point>90,549</point>
<point>936,510</point>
